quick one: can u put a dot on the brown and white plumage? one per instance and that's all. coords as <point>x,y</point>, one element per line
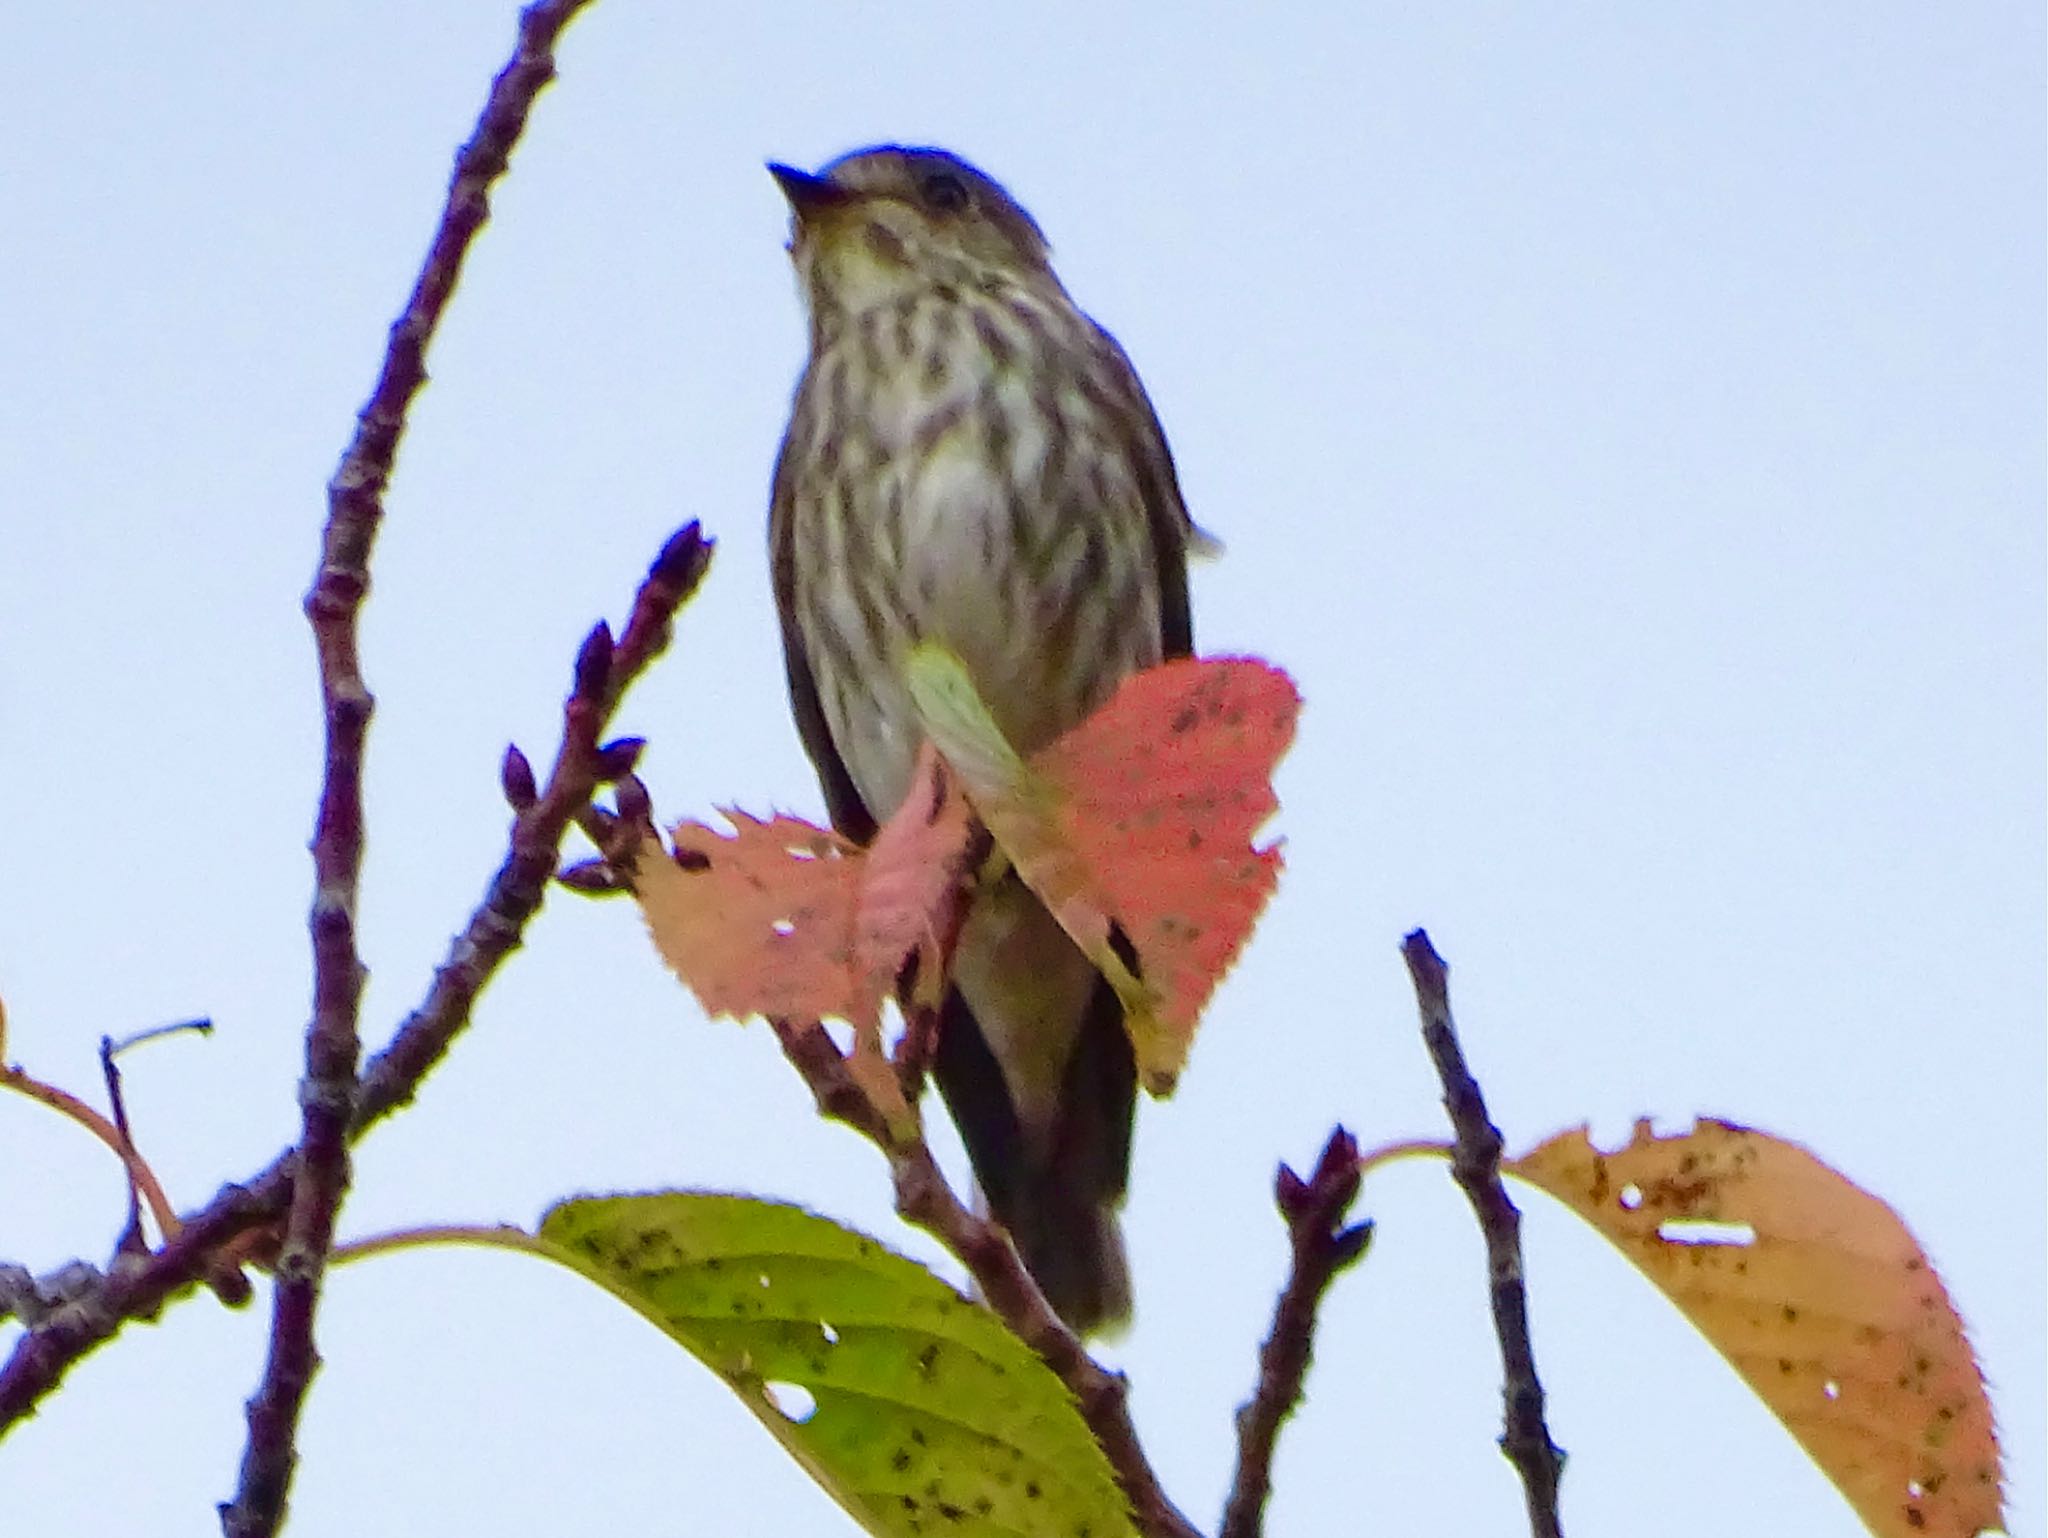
<point>971,459</point>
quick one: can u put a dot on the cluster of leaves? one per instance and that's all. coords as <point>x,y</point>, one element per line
<point>1138,826</point>
<point>911,1404</point>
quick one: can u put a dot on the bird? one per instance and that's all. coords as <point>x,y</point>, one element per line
<point>971,460</point>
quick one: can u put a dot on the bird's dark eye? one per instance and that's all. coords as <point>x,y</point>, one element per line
<point>943,192</point>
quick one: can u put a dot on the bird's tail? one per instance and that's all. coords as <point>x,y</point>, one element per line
<point>1056,1189</point>
<point>1073,1246</point>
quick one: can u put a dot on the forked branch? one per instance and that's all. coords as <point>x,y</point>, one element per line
<point>1475,1165</point>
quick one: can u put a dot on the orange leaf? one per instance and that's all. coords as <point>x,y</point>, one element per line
<point>786,919</point>
<point>1815,1292</point>
<point>1137,823</point>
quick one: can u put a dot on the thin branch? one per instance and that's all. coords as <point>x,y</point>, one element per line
<point>1323,1246</point>
<point>1402,1148</point>
<point>604,671</point>
<point>227,1224</point>
<point>1475,1165</point>
<point>69,1105</point>
<point>355,508</point>
<point>926,1201</point>
<point>131,1242</point>
<point>47,1351</point>
<point>142,1038</point>
<point>494,1236</point>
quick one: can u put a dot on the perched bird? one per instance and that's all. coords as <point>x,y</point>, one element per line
<point>970,459</point>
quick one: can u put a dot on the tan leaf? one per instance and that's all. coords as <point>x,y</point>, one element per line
<point>1815,1292</point>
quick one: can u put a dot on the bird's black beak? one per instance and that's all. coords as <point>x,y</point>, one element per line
<point>808,195</point>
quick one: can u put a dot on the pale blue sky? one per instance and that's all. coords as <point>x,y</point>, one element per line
<point>1626,423</point>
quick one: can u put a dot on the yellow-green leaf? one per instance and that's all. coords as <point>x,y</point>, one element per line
<point>913,1407</point>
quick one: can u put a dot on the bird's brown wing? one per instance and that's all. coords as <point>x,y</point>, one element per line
<point>1173,531</point>
<point>850,815</point>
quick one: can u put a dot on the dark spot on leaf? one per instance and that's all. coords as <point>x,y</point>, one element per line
<point>899,1460</point>
<point>693,859</point>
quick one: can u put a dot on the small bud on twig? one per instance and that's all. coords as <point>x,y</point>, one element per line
<point>683,558</point>
<point>636,807</point>
<point>594,662</point>
<point>591,878</point>
<point>619,758</point>
<point>515,777</point>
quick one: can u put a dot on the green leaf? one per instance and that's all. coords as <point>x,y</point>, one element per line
<point>913,1407</point>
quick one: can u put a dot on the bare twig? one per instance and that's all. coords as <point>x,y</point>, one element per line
<point>1475,1165</point>
<point>141,1176</point>
<point>1323,1246</point>
<point>131,1241</point>
<point>47,1351</point>
<point>926,1201</point>
<point>120,1045</point>
<point>604,671</point>
<point>239,1212</point>
<point>355,503</point>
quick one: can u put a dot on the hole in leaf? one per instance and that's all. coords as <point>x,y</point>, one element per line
<point>1705,1231</point>
<point>1831,1389</point>
<point>893,1023</point>
<point>831,1335</point>
<point>1914,1489</point>
<point>801,852</point>
<point>796,1402</point>
<point>1631,1197</point>
<point>783,927</point>
<point>763,1280</point>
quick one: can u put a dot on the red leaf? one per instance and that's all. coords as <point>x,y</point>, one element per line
<point>1161,794</point>
<point>1137,823</point>
<point>786,919</point>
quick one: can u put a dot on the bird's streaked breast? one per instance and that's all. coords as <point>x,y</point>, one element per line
<point>959,471</point>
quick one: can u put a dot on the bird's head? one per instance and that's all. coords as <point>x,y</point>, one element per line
<point>879,223</point>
